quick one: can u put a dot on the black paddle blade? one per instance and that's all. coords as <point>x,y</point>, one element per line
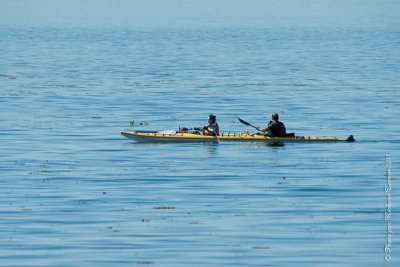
<point>244,122</point>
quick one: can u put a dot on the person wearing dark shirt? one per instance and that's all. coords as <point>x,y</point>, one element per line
<point>275,128</point>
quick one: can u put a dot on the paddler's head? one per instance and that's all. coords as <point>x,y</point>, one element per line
<point>275,116</point>
<point>212,118</point>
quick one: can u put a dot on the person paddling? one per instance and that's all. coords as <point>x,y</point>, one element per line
<point>275,128</point>
<point>212,128</point>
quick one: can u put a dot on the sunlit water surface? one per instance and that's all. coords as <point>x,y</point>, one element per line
<point>74,192</point>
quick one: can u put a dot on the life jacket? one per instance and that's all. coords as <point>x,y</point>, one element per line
<point>282,129</point>
<point>276,129</point>
<point>213,129</point>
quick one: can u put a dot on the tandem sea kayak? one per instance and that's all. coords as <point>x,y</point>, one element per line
<point>178,136</point>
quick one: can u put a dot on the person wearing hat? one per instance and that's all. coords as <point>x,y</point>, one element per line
<point>212,128</point>
<point>275,128</point>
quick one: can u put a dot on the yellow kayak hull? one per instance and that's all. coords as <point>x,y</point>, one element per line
<point>237,137</point>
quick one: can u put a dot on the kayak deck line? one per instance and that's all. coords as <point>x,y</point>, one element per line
<point>170,136</point>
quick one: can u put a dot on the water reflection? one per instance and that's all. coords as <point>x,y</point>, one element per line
<point>211,149</point>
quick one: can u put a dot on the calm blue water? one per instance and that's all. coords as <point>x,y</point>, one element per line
<point>74,192</point>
